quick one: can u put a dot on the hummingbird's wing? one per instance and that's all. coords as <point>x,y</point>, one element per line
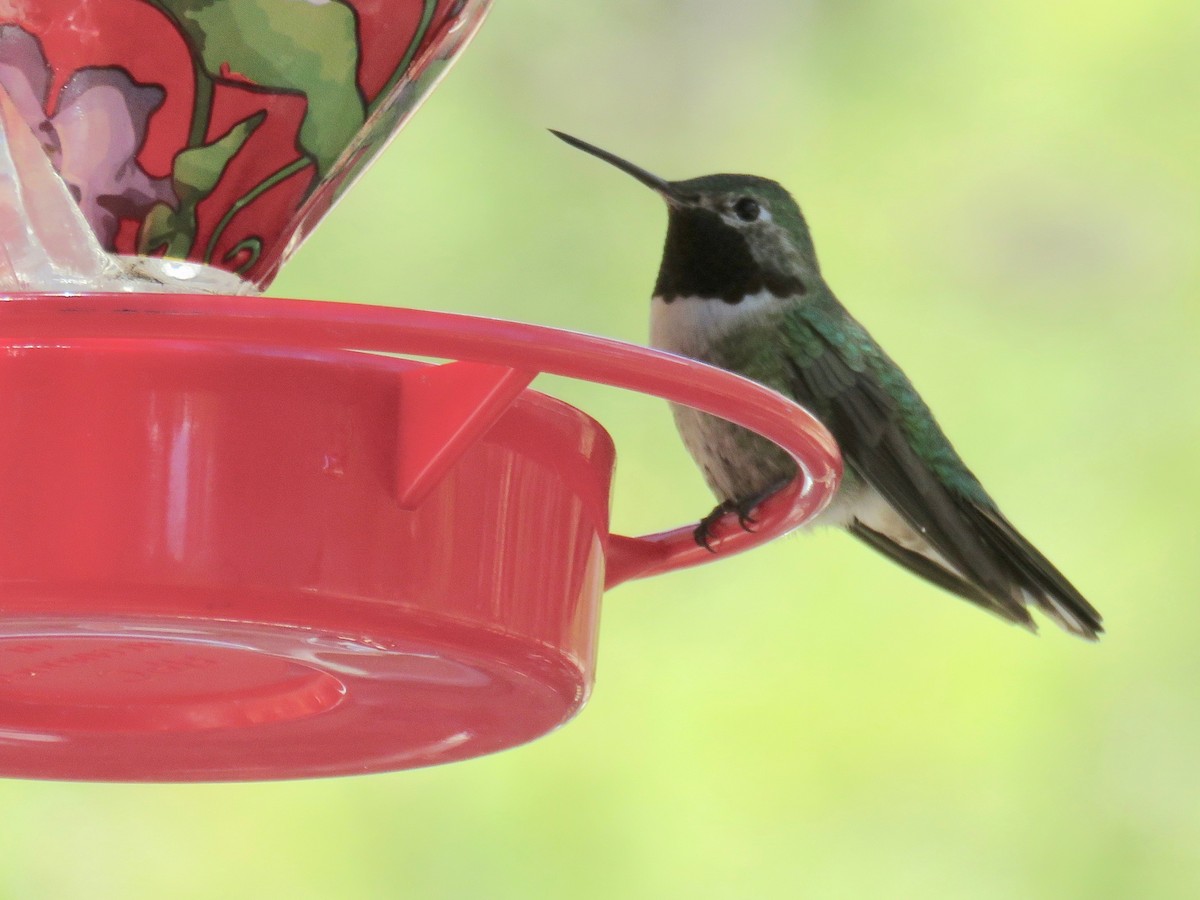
<point>890,439</point>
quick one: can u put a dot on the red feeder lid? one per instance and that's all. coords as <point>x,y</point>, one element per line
<point>237,547</point>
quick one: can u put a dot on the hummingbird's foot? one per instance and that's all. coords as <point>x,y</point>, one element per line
<point>743,508</point>
<point>703,532</point>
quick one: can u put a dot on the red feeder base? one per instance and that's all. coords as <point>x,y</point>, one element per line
<point>232,550</point>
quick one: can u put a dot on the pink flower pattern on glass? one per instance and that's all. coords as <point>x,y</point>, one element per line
<point>95,134</point>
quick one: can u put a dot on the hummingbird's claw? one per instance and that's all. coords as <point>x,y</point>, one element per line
<point>703,532</point>
<point>743,509</point>
<point>746,520</point>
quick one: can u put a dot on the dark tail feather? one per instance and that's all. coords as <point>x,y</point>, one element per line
<point>1029,578</point>
<point>1036,577</point>
<point>944,578</point>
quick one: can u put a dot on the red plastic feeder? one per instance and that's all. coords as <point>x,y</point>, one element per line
<point>234,549</point>
<point>240,538</point>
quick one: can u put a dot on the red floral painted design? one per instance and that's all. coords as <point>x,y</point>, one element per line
<point>221,132</point>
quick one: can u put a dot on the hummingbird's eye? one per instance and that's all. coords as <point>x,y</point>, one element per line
<point>747,209</point>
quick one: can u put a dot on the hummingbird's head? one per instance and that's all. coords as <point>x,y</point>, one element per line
<point>728,236</point>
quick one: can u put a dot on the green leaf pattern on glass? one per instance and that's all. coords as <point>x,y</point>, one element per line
<point>309,48</point>
<point>194,174</point>
<point>286,46</point>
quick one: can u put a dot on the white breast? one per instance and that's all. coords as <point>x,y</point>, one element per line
<point>689,325</point>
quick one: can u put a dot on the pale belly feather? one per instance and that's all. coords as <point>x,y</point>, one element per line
<point>737,464</point>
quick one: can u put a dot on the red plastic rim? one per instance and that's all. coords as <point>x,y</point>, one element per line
<point>236,547</point>
<point>299,325</point>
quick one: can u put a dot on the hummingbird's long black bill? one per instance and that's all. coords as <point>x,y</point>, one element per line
<point>663,187</point>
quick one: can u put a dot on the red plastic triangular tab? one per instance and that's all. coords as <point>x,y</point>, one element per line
<point>443,411</point>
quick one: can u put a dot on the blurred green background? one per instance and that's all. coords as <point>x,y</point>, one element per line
<point>1008,195</point>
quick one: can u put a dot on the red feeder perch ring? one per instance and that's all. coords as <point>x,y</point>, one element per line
<point>235,546</point>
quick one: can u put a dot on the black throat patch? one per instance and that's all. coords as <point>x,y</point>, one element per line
<point>706,258</point>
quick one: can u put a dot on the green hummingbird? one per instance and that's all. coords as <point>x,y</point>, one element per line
<point>739,287</point>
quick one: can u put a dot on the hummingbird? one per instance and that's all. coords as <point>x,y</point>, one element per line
<point>739,287</point>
